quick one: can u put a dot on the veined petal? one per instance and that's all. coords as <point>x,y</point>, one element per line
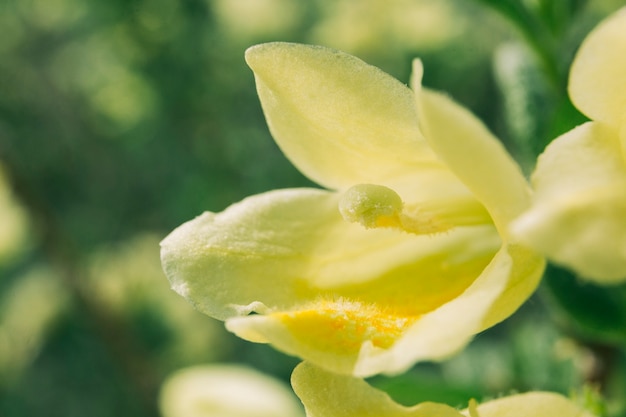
<point>577,218</point>
<point>338,119</point>
<point>535,404</point>
<point>470,151</point>
<point>597,79</point>
<point>326,394</point>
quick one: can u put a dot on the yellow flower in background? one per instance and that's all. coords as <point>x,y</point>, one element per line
<point>325,394</point>
<point>404,257</point>
<point>15,222</point>
<point>578,217</point>
<point>226,391</point>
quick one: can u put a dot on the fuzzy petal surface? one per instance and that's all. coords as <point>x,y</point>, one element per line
<point>363,336</point>
<point>226,390</point>
<point>339,120</point>
<point>578,216</point>
<point>597,82</point>
<point>282,248</point>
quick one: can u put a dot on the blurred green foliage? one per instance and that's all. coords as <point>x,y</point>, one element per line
<point>119,120</point>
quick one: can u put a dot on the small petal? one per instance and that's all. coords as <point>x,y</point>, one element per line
<point>597,79</point>
<point>535,404</point>
<point>226,390</point>
<point>471,152</point>
<point>577,218</point>
<point>338,119</point>
<point>325,394</point>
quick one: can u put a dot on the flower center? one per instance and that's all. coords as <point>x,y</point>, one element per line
<point>375,206</point>
<point>342,325</point>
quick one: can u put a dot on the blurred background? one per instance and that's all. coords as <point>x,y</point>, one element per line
<point>121,119</point>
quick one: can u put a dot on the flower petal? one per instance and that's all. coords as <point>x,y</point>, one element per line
<point>363,339</point>
<point>536,404</point>
<point>471,152</point>
<point>326,394</point>
<point>278,248</point>
<point>251,251</point>
<point>226,390</point>
<point>338,119</point>
<point>509,279</point>
<point>577,218</point>
<point>598,72</point>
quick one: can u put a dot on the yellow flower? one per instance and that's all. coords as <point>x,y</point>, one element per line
<point>578,217</point>
<point>405,257</point>
<point>325,394</point>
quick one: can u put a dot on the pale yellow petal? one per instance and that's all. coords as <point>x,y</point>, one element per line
<point>585,158</point>
<point>252,251</point>
<point>509,279</point>
<point>523,278</point>
<point>535,404</point>
<point>364,332</point>
<point>338,119</point>
<point>597,82</point>
<point>279,248</point>
<point>577,218</point>
<point>326,394</point>
<point>339,322</point>
<point>471,152</point>
<point>226,390</point>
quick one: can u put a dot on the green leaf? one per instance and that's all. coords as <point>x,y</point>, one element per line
<point>592,311</point>
<point>415,387</point>
<point>528,100</point>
